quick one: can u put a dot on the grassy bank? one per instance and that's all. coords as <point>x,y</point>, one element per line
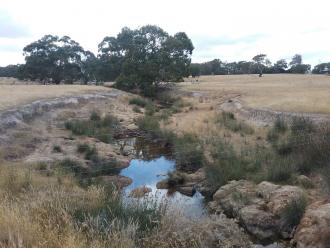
<point>54,211</point>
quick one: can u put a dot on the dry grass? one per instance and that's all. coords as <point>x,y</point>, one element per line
<point>282,92</point>
<point>42,211</point>
<point>15,95</point>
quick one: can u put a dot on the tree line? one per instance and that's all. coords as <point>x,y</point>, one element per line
<point>259,64</point>
<point>135,59</point>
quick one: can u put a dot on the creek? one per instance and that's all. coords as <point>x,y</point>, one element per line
<point>152,163</point>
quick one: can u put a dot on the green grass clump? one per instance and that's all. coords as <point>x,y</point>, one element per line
<point>280,170</point>
<point>149,124</point>
<point>97,127</point>
<point>91,153</point>
<point>293,213</point>
<point>95,116</point>
<point>228,120</point>
<point>188,152</point>
<point>57,148</point>
<point>280,126</point>
<point>301,125</point>
<point>136,109</point>
<point>138,101</point>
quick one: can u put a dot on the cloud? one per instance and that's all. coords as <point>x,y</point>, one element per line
<point>228,30</point>
<point>9,28</point>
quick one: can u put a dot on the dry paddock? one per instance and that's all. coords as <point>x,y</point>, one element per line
<point>280,92</point>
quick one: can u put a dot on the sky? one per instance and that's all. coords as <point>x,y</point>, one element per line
<point>230,30</point>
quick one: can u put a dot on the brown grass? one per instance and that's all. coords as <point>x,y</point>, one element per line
<point>282,92</point>
<point>15,95</point>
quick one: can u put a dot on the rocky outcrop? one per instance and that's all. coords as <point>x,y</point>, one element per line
<point>259,208</point>
<point>140,192</point>
<point>211,231</point>
<point>18,117</point>
<point>258,222</point>
<point>117,180</point>
<point>185,183</point>
<point>283,196</point>
<point>314,228</point>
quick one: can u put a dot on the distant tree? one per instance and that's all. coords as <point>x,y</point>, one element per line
<point>297,65</point>
<point>261,61</point>
<point>280,66</point>
<point>9,71</point>
<point>296,60</point>
<point>323,68</point>
<point>195,70</point>
<point>53,59</point>
<point>142,58</point>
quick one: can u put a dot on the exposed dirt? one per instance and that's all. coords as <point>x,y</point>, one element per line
<point>32,140</point>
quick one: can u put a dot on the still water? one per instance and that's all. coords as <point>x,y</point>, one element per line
<point>152,165</point>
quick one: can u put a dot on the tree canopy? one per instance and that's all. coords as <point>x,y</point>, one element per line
<point>54,59</point>
<point>142,58</point>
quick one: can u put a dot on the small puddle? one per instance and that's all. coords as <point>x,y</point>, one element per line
<point>152,164</point>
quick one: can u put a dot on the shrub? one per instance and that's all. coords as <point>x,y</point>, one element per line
<point>95,116</point>
<point>272,136</point>
<point>188,152</point>
<point>136,109</point>
<point>68,165</point>
<point>57,148</point>
<point>82,148</point>
<point>149,124</point>
<point>166,99</point>
<point>100,128</point>
<point>224,169</point>
<point>280,169</point>
<point>138,101</point>
<point>90,153</point>
<point>293,212</point>
<point>280,126</point>
<point>150,109</point>
<point>301,125</point>
<point>228,120</point>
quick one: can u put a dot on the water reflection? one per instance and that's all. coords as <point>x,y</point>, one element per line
<point>149,172</point>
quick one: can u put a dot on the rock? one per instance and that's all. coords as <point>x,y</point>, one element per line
<point>117,180</point>
<point>127,150</point>
<point>280,198</point>
<point>19,116</point>
<point>163,184</point>
<point>140,192</point>
<point>196,177</point>
<point>235,195</point>
<point>314,228</point>
<point>186,190</point>
<point>264,189</point>
<point>259,208</point>
<point>258,222</point>
<point>304,181</point>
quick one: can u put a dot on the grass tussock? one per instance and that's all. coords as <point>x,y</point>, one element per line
<point>188,152</point>
<point>138,101</point>
<point>39,211</point>
<point>229,121</point>
<point>293,212</point>
<point>97,127</point>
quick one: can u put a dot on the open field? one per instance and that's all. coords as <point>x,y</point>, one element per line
<point>280,92</point>
<point>15,95</point>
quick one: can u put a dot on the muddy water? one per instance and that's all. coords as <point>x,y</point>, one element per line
<point>152,164</point>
